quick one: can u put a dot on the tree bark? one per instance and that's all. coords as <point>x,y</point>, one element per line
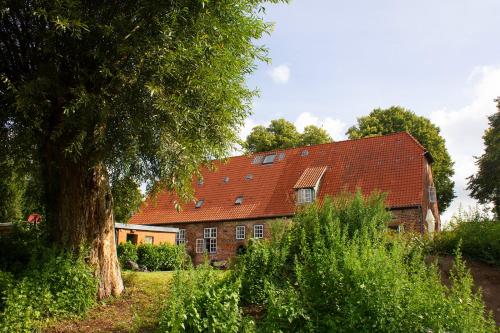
<point>80,216</point>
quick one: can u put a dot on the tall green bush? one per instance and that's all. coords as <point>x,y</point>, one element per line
<point>53,285</point>
<point>477,236</point>
<point>338,272</point>
<point>126,251</point>
<point>163,257</point>
<point>201,300</point>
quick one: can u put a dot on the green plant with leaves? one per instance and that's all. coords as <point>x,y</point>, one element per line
<point>282,134</point>
<point>163,257</point>
<point>95,90</point>
<point>53,285</point>
<point>485,184</point>
<point>341,272</point>
<point>202,300</point>
<point>127,251</point>
<point>398,119</point>
<point>475,234</point>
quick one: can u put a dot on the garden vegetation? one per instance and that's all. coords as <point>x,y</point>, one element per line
<point>475,234</point>
<point>163,257</point>
<point>334,269</point>
<point>39,283</point>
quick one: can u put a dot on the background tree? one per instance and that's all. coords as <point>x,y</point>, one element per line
<point>314,135</point>
<point>127,198</point>
<point>149,89</point>
<point>485,184</point>
<point>282,134</point>
<point>398,119</point>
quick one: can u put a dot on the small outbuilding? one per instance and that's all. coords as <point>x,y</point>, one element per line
<point>137,234</point>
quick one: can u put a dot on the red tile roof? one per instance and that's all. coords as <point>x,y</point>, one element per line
<point>392,164</point>
<point>310,177</point>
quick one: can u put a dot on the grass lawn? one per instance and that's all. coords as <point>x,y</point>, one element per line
<point>136,310</point>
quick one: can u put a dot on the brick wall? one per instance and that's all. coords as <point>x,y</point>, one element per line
<point>158,237</point>
<point>227,244</point>
<point>409,217</point>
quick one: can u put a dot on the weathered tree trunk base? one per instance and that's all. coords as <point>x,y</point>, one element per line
<point>81,218</point>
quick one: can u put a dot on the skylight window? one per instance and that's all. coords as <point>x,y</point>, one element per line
<point>199,203</point>
<point>258,159</point>
<point>269,159</point>
<point>200,181</point>
<point>249,176</point>
<point>305,152</point>
<point>239,200</point>
<point>281,156</point>
<point>226,180</point>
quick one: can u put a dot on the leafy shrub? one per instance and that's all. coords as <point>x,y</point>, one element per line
<point>477,235</point>
<point>53,285</point>
<point>202,300</point>
<point>338,272</point>
<point>163,257</point>
<point>127,251</point>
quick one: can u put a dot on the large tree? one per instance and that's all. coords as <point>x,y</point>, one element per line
<point>485,184</point>
<point>143,89</point>
<point>282,134</point>
<point>398,119</point>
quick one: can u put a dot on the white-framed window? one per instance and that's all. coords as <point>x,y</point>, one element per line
<point>432,194</point>
<point>305,195</point>
<point>180,237</point>
<point>258,231</point>
<point>210,237</point>
<point>149,239</point>
<point>200,245</point>
<point>401,228</point>
<point>240,232</point>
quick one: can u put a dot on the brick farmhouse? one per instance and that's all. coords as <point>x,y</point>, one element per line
<point>244,194</point>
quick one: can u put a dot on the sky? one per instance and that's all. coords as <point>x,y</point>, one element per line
<point>334,61</point>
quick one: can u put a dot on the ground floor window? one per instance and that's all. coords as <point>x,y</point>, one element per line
<point>132,238</point>
<point>200,245</point>
<point>210,237</point>
<point>240,232</point>
<point>258,231</point>
<point>180,237</point>
<point>149,239</point>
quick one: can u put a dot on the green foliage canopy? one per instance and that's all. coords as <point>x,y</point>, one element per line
<point>398,119</point>
<point>282,134</point>
<point>151,89</point>
<point>485,184</point>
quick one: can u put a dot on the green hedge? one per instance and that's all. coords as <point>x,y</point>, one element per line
<point>163,257</point>
<point>477,236</point>
<point>334,270</point>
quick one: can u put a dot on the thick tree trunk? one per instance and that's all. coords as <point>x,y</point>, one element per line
<point>80,214</point>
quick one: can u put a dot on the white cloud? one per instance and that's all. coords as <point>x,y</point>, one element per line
<point>335,127</point>
<point>280,74</point>
<point>463,130</point>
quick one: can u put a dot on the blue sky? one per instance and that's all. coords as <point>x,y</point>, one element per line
<point>334,61</point>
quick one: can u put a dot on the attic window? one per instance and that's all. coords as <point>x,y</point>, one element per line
<point>305,152</point>
<point>249,176</point>
<point>226,180</point>
<point>199,203</point>
<point>281,156</point>
<point>200,181</point>
<point>239,200</point>
<point>269,159</point>
<point>305,195</point>
<point>432,194</point>
<point>258,159</point>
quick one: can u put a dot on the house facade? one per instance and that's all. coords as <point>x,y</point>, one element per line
<point>246,194</point>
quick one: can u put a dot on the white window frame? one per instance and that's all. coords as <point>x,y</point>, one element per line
<point>240,232</point>
<point>148,238</point>
<point>305,195</point>
<point>432,194</point>
<point>180,237</point>
<point>210,238</point>
<point>200,245</point>
<point>258,234</point>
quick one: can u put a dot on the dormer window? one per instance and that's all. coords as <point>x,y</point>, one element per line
<point>305,195</point>
<point>239,200</point>
<point>199,203</point>
<point>269,159</point>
